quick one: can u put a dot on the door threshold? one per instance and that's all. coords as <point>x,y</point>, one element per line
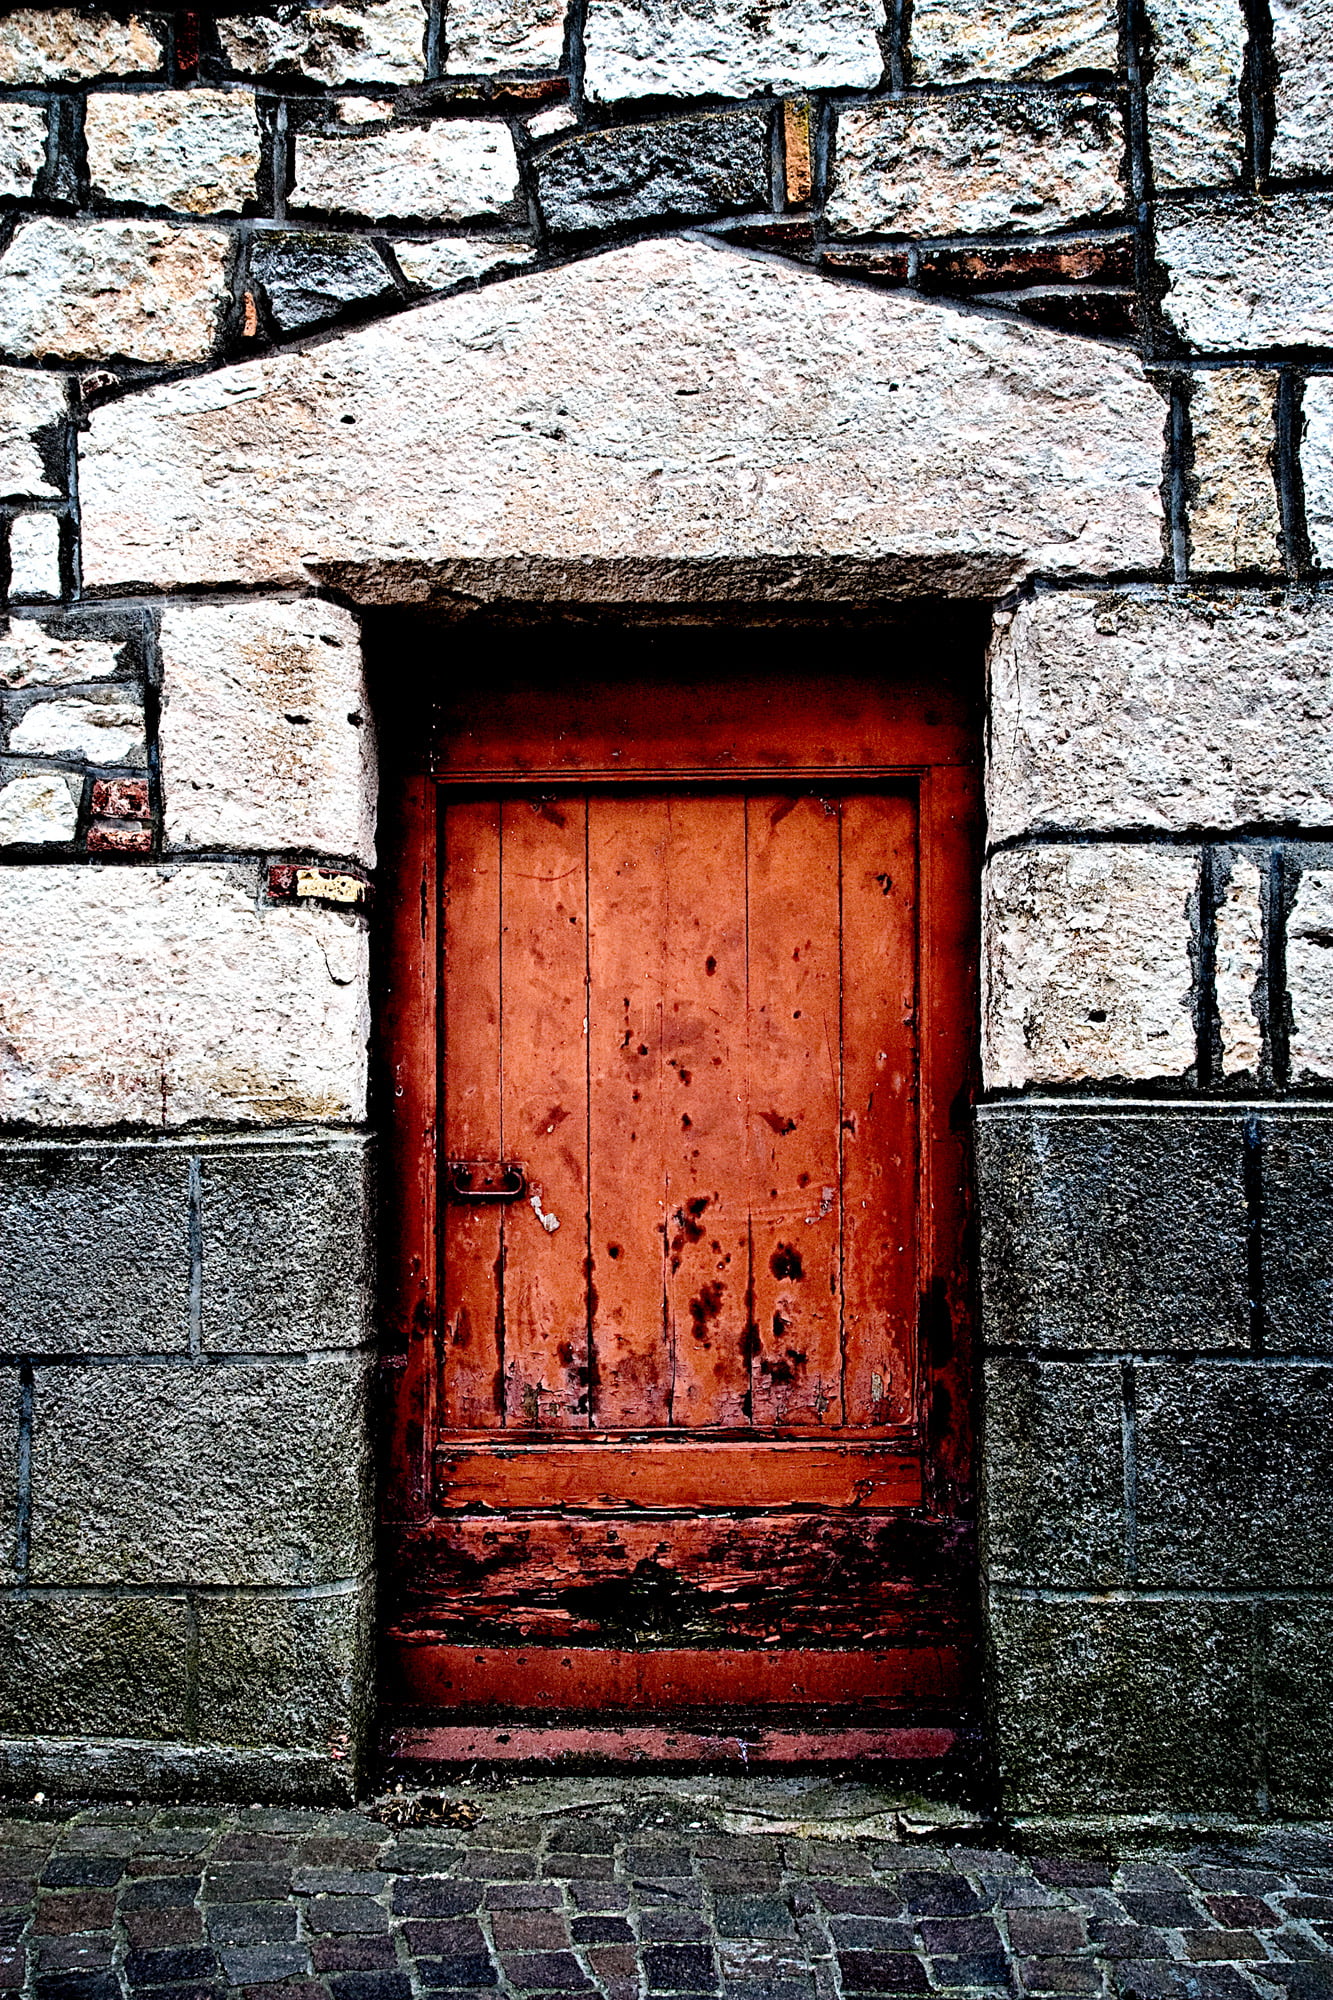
<point>661,1747</point>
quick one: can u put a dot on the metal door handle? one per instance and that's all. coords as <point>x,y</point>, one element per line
<point>485,1180</point>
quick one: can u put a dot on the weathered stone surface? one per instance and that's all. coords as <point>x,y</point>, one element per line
<point>482,36</point>
<point>1297,1155</point>
<point>35,808</point>
<point>145,290</point>
<point>1235,1465</point>
<point>246,1472</point>
<point>1317,466</point>
<point>1196,135</point>
<point>94,1249</point>
<point>265,731</point>
<point>284,1670</point>
<point>33,408</point>
<point>1124,1706</point>
<point>714,164</point>
<point>34,556</point>
<point>542,418</point>
<point>196,150</point>
<point>307,277</point>
<point>10,1399</point>
<point>957,41</point>
<point>1234,522</point>
<point>1310,977</point>
<point>1298,1684</point>
<point>65,45</point>
<point>451,261</point>
<point>1303,87</point>
<point>359,41</point>
<point>82,1665</point>
<point>1248,271</point>
<point>1238,967</point>
<point>975,163</point>
<point>30,656</point>
<point>1112,1230</point>
<point>105,731</point>
<point>1054,1479</point>
<point>22,147</point>
<point>452,169</point>
<point>1087,964</point>
<point>714,48</point>
<point>1142,710</point>
<point>286,1250</point>
<point>560,118</point>
<point>158,995</point>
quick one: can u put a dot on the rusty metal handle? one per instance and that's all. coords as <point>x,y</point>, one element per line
<point>485,1180</point>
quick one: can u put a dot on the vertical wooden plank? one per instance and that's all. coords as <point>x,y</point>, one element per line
<point>794,1105</point>
<point>473,1279</point>
<point>544,947</point>
<point>627,858</point>
<point>880,1107</point>
<point>704,1077</point>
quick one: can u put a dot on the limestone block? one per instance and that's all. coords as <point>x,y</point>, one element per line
<point>196,150</point>
<point>31,657</point>
<point>33,406</point>
<point>1317,466</point>
<point>287,1670</point>
<point>105,731</point>
<point>1134,709</point>
<point>144,290</point>
<point>1196,134</point>
<point>1234,522</point>
<point>967,164</point>
<point>718,48</point>
<point>307,277</point>
<point>676,167</point>
<point>67,45</point>
<point>1087,964</point>
<point>453,169</point>
<point>156,995</point>
<point>1303,87</point>
<point>359,41</point>
<point>242,1472</point>
<point>1055,1474</point>
<point>1238,971</point>
<point>450,261</point>
<point>543,415</point>
<point>265,729</point>
<point>481,36</point>
<point>1310,977</point>
<point>22,147</point>
<point>76,1664</point>
<point>1249,271</point>
<point>37,808</point>
<point>34,556</point>
<point>958,41</point>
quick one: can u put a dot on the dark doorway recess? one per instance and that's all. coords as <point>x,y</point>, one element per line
<point>678,1025</point>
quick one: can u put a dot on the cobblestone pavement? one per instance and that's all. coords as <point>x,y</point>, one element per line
<point>639,1889</point>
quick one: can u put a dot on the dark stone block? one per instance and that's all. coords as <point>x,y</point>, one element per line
<point>426,1897</point>
<point>261,1964</point>
<point>675,169</point>
<point>1128,1706</point>
<point>1112,1230</point>
<point>252,1923</point>
<point>1297,1182</point>
<point>76,1666</point>
<point>1235,1475</point>
<point>161,1892</point>
<point>880,1972</point>
<point>1054,1485</point>
<point>371,1986</point>
<point>307,277</point>
<point>1299,1678</point>
<point>930,1892</point>
<point>679,1968</point>
<point>546,1972</point>
<point>353,1954</point>
<point>467,1969</point>
<point>600,1930</point>
<point>82,1871</point>
<point>164,1968</point>
<point>76,1986</point>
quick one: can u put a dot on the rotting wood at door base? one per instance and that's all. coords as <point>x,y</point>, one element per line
<point>661,1747</point>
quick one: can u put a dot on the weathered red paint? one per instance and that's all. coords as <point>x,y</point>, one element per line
<point>691,1749</point>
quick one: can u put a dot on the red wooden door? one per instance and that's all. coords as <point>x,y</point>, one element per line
<point>680,1015</point>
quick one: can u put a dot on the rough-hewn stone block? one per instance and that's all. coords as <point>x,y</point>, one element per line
<point>1146,710</point>
<point>482,36</point>
<point>450,170</point>
<point>544,414</point>
<point>1309,961</point>
<point>265,733</point>
<point>66,45</point>
<point>1238,965</point>
<point>109,730</point>
<point>1112,1230</point>
<point>1303,88</point>
<point>196,150</point>
<point>286,1670</point>
<point>307,277</point>
<point>34,556</point>
<point>1087,957</point>
<point>32,412</point>
<point>94,1250</point>
<point>234,1473</point>
<point>11,1394</point>
<point>37,807</point>
<point>958,41</point>
<point>1235,1469</point>
<point>1130,1707</point>
<point>159,995</point>
<point>1317,466</point>
<point>32,655</point>
<point>357,41</point>
<point>1196,136</point>
<point>79,1665</point>
<point>144,290</point>
<point>286,1250</point>
<point>1298,1684</point>
<point>1234,522</point>
<point>22,148</point>
<point>981,161</point>
<point>1054,1478</point>
<point>1297,1153</point>
<point>677,168</point>
<point>450,261</point>
<point>714,48</point>
<point>1248,272</point>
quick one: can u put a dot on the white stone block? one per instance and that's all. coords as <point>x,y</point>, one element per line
<point>976,162</point>
<point>81,290</point>
<point>1234,521</point>
<point>1309,961</point>
<point>1248,271</point>
<point>452,169</point>
<point>547,123</point>
<point>967,41</point>
<point>723,48</point>
<point>22,146</point>
<point>266,733</point>
<point>30,401</point>
<point>109,731</point>
<point>450,261</point>
<point>1239,967</point>
<point>1317,466</point>
<point>196,150</point>
<point>1303,87</point>
<point>482,36</point>
<point>157,995</point>
<point>29,657</point>
<point>66,45</point>
<point>34,556</point>
<point>360,41</point>
<point>1196,136</point>
<point>36,809</point>
<point>1145,710</point>
<point>1086,964</point>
